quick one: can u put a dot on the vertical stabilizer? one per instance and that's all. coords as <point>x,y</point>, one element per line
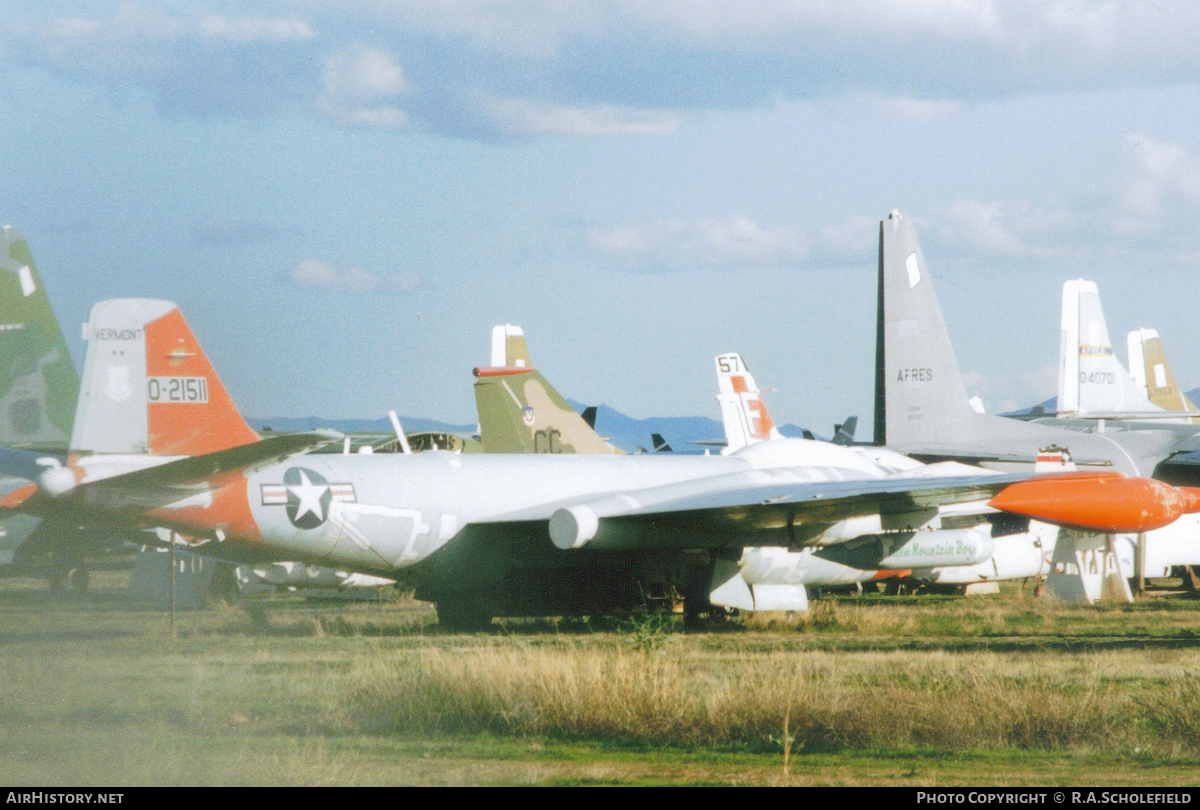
<point>149,388</point>
<point>844,433</point>
<point>38,381</point>
<point>743,411</point>
<point>1090,377</point>
<point>508,347</point>
<point>520,412</point>
<point>1152,373</point>
<point>917,378</point>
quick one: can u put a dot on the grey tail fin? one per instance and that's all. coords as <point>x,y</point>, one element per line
<point>919,392</point>
<point>39,385</point>
<point>844,433</point>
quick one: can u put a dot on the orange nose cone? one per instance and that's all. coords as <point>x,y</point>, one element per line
<point>1191,498</point>
<point>1096,504</point>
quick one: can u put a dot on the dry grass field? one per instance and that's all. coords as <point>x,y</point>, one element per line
<point>917,690</point>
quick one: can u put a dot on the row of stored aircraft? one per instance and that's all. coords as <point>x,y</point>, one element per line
<point>557,522</point>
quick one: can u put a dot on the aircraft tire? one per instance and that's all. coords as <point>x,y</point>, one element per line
<point>224,584</point>
<point>73,579</point>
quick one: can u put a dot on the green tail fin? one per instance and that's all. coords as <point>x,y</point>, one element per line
<point>520,412</point>
<point>39,384</point>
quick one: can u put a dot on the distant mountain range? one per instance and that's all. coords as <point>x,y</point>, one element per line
<point>625,432</point>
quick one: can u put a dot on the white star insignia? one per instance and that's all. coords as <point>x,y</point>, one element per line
<point>310,497</point>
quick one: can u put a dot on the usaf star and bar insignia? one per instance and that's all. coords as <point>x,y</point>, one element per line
<point>307,496</point>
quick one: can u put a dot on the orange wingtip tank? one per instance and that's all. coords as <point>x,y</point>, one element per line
<point>1192,496</point>
<point>1103,503</point>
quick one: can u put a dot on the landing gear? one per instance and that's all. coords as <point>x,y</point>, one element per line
<point>224,584</point>
<point>698,611</point>
<point>462,613</point>
<point>1191,578</point>
<point>72,579</point>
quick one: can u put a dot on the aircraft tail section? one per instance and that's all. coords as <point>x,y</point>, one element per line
<point>508,347</point>
<point>149,388</point>
<point>520,412</point>
<point>38,381</point>
<point>844,433</point>
<point>1152,373</point>
<point>920,397</point>
<point>743,411</point>
<point>1090,377</point>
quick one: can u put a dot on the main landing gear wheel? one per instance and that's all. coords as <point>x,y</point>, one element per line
<point>73,579</point>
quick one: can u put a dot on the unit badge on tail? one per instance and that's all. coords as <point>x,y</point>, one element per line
<point>307,496</point>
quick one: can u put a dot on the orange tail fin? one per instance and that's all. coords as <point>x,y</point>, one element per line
<point>149,388</point>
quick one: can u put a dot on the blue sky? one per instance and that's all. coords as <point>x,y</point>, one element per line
<point>344,197</point>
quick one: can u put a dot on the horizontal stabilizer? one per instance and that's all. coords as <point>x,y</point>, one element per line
<point>164,484</point>
<point>27,464</point>
<point>1134,416</point>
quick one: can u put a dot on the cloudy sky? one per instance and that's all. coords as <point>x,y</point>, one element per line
<point>344,196</point>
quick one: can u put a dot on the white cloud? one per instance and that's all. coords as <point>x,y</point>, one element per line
<point>1158,172</point>
<point>362,74</point>
<point>525,117</point>
<point>978,225</point>
<point>132,23</point>
<point>857,235</point>
<point>358,84</point>
<point>254,29</point>
<point>326,276</point>
<point>383,116</point>
<point>674,244</point>
<point>71,28</point>
<point>914,109</point>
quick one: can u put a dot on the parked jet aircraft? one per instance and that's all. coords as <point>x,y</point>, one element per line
<point>158,442</point>
<point>38,390</point>
<point>1092,382</point>
<point>1018,551</point>
<point>921,404</point>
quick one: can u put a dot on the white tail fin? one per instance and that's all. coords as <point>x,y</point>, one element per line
<point>742,410</point>
<point>148,388</point>
<point>1091,380</point>
<point>508,347</point>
